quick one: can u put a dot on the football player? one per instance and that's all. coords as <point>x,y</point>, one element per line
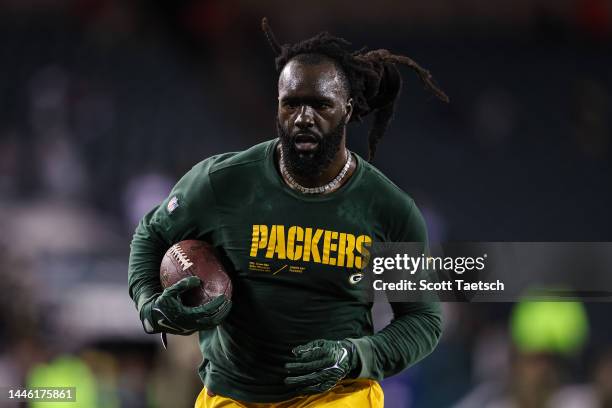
<point>294,217</point>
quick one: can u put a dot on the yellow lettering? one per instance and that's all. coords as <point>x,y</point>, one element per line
<point>271,242</point>
<point>347,246</point>
<point>280,241</point>
<point>314,246</point>
<point>294,252</point>
<point>333,247</point>
<point>339,248</point>
<point>326,240</point>
<point>329,247</point>
<point>260,238</point>
<point>307,242</point>
<point>363,241</point>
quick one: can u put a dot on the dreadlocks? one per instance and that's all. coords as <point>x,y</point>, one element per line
<point>373,76</point>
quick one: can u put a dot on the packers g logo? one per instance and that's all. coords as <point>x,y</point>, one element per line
<point>355,278</point>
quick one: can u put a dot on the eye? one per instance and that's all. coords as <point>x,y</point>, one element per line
<point>290,105</point>
<point>321,105</point>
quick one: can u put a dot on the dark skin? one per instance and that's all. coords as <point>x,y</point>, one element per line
<point>312,100</point>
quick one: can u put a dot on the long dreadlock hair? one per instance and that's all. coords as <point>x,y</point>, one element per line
<point>374,78</point>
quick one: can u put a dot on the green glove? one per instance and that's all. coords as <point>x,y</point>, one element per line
<point>166,313</point>
<point>321,364</point>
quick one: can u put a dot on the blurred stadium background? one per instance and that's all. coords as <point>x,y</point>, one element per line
<point>105,103</point>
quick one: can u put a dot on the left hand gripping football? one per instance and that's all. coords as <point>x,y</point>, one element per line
<point>320,365</point>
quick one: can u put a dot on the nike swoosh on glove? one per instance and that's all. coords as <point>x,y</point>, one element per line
<point>320,365</point>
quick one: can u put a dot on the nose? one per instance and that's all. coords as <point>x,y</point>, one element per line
<point>305,117</point>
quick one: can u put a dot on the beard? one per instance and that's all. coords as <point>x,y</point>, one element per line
<point>310,164</point>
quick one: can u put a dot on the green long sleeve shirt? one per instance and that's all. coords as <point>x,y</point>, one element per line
<point>293,259</point>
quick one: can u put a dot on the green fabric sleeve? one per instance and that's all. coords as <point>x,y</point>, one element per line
<point>410,337</point>
<point>167,224</point>
<point>417,326</point>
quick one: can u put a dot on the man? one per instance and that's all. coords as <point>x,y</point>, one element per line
<point>294,218</point>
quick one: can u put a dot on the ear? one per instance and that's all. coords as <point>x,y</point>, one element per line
<point>348,110</point>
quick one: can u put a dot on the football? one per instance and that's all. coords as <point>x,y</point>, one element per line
<point>196,258</point>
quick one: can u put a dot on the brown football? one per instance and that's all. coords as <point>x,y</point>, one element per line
<point>195,258</point>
